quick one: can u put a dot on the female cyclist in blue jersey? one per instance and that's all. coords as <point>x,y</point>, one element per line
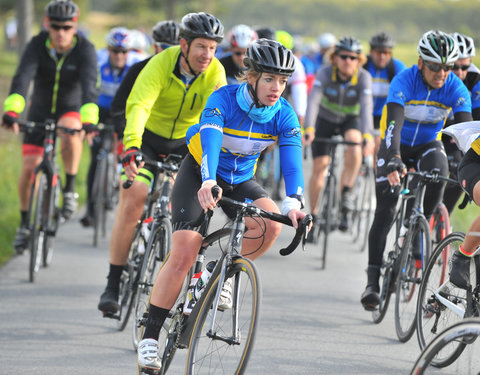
<point>238,122</point>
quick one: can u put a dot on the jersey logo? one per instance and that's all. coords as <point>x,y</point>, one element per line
<point>399,95</point>
<point>461,100</point>
<point>215,112</point>
<point>294,132</point>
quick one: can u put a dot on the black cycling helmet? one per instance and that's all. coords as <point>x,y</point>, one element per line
<point>166,32</point>
<point>438,47</point>
<point>382,40</point>
<point>61,10</point>
<point>269,56</point>
<point>265,32</point>
<point>201,25</point>
<point>348,43</point>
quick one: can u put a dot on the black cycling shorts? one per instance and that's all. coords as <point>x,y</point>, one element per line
<point>185,205</point>
<point>155,147</point>
<point>469,171</point>
<point>327,129</point>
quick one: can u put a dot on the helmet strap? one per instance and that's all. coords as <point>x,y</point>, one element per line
<point>253,92</point>
<point>188,63</point>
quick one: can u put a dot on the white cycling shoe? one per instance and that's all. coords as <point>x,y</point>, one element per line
<point>147,354</point>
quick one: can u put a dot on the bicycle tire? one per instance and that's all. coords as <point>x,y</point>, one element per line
<point>53,221</point>
<point>358,194</point>
<point>365,218</point>
<point>410,277</point>
<point>327,214</point>
<point>428,306</point>
<point>128,281</point>
<point>204,352</point>
<point>465,333</point>
<point>439,224</point>
<point>98,197</point>
<point>387,272</point>
<point>38,226</point>
<point>155,254</point>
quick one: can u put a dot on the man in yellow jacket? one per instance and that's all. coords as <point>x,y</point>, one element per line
<point>167,98</point>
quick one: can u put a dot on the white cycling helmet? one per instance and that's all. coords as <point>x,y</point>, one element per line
<point>438,47</point>
<point>241,36</point>
<point>466,46</point>
<point>326,40</point>
<point>119,37</point>
<point>139,40</point>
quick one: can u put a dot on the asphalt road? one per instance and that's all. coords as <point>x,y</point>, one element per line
<point>311,322</point>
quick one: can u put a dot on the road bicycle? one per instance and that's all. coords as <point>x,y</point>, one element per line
<point>406,253</point>
<point>156,243</point>
<point>132,272</point>
<point>44,210</point>
<point>440,303</point>
<point>462,335</point>
<point>329,211</point>
<point>363,192</point>
<point>221,340</point>
<point>105,182</point>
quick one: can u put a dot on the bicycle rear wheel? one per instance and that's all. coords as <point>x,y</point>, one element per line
<point>329,216</point>
<point>433,316</point>
<point>387,274</point>
<point>417,242</point>
<point>439,224</point>
<point>129,281</point>
<point>362,215</point>
<point>152,262</point>
<point>462,334</point>
<point>227,349</point>
<point>39,225</point>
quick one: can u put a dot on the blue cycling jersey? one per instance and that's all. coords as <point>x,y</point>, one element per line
<point>109,84</point>
<point>381,83</point>
<point>227,142</point>
<point>425,109</point>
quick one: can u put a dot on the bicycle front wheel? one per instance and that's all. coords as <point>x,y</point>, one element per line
<point>53,221</point>
<point>464,333</point>
<point>39,225</point>
<point>227,347</point>
<point>435,305</point>
<point>152,262</point>
<point>415,254</point>
<point>98,198</point>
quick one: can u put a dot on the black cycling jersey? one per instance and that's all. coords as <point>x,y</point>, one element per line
<point>61,83</point>
<point>232,70</point>
<point>117,108</point>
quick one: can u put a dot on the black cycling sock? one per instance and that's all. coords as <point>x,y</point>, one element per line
<point>23,218</point>
<point>69,183</point>
<point>346,190</point>
<point>114,276</point>
<point>155,320</point>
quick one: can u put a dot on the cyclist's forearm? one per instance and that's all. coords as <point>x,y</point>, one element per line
<point>313,107</point>
<point>395,117</point>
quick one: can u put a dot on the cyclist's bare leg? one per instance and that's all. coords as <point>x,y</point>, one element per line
<point>317,180</point>
<point>129,211</point>
<point>255,243</point>
<point>24,182</point>
<point>352,159</point>
<point>185,245</point>
<point>71,144</point>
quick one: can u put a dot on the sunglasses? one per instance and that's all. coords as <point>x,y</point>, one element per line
<point>345,57</point>
<point>437,67</point>
<point>383,51</point>
<point>117,51</point>
<point>57,27</point>
<point>238,53</point>
<point>461,67</point>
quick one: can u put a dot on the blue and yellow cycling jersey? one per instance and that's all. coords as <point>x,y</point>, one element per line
<point>227,142</point>
<point>426,109</point>
<point>381,82</point>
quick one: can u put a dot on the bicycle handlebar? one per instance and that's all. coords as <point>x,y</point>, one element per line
<point>48,125</point>
<point>169,165</point>
<point>250,208</point>
<point>432,176</point>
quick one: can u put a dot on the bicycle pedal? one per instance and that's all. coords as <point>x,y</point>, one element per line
<point>110,315</point>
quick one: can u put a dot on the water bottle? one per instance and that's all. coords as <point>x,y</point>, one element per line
<point>144,234</point>
<point>202,282</point>
<point>190,300</point>
<point>401,236</point>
